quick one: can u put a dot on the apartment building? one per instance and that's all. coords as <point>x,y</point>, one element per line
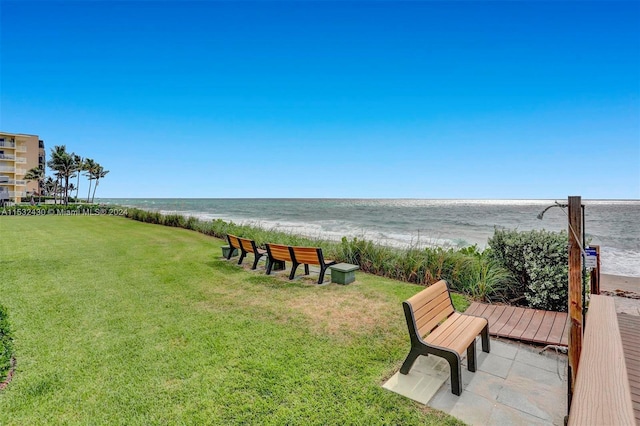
<point>18,154</point>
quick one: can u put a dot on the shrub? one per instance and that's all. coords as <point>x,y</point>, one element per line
<point>538,261</point>
<point>6,344</point>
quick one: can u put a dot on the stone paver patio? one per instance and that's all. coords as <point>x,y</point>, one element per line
<point>514,384</point>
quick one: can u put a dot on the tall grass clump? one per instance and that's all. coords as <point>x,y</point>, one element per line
<point>6,344</point>
<point>484,278</point>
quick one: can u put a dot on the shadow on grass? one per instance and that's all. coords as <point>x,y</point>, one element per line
<point>224,266</point>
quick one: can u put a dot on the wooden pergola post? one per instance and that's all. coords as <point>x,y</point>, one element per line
<point>575,289</point>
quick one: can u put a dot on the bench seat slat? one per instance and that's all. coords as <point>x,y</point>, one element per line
<point>458,333</point>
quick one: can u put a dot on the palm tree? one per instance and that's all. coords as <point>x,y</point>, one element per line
<point>50,185</point>
<point>63,164</point>
<point>36,173</point>
<point>99,173</point>
<point>89,169</point>
<point>78,163</point>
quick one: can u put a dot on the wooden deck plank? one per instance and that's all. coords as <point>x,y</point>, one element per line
<point>629,326</point>
<point>523,323</point>
<point>522,326</point>
<point>555,335</point>
<point>502,320</point>
<point>565,333</point>
<point>545,327</point>
<point>475,308</point>
<point>482,309</point>
<point>534,325</point>
<point>493,318</point>
<point>488,312</point>
<point>513,321</point>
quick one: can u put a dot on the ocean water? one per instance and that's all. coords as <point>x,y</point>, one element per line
<point>613,225</point>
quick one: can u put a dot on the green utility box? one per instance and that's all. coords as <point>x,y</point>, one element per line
<point>225,251</point>
<point>343,273</point>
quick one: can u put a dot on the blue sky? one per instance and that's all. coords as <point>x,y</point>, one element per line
<point>366,99</point>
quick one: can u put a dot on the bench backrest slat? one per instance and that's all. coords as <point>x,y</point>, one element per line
<point>431,306</point>
<point>308,255</point>
<point>234,241</point>
<point>279,252</point>
<point>246,245</point>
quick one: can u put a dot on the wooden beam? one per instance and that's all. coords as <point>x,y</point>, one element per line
<point>575,290</point>
<point>602,392</point>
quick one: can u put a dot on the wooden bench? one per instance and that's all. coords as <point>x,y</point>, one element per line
<point>246,246</point>
<point>309,256</point>
<point>278,253</point>
<point>602,394</point>
<point>436,328</point>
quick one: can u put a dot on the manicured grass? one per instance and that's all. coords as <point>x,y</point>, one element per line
<point>121,322</point>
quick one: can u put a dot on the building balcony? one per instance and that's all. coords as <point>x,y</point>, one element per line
<point>7,169</point>
<point>7,157</point>
<point>17,194</point>
<point>21,160</point>
<point>21,148</point>
<point>7,144</point>
<point>12,182</point>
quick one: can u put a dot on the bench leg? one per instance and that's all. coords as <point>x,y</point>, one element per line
<point>408,362</point>
<point>231,249</point>
<point>321,277</point>
<point>255,260</point>
<point>242,255</point>
<point>486,346</point>
<point>306,269</point>
<point>269,265</point>
<point>471,357</point>
<point>294,266</point>
<point>456,372</point>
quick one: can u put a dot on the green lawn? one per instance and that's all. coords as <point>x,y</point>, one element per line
<point>121,322</point>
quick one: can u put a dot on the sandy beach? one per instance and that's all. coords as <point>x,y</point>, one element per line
<point>618,284</point>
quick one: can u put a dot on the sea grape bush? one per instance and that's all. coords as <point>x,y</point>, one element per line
<point>538,261</point>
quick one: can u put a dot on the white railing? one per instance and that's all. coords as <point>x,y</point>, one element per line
<point>21,160</point>
<point>21,171</point>
<point>20,182</point>
<point>7,169</point>
<point>17,194</point>
<point>7,144</point>
<point>21,148</point>
<point>7,157</point>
